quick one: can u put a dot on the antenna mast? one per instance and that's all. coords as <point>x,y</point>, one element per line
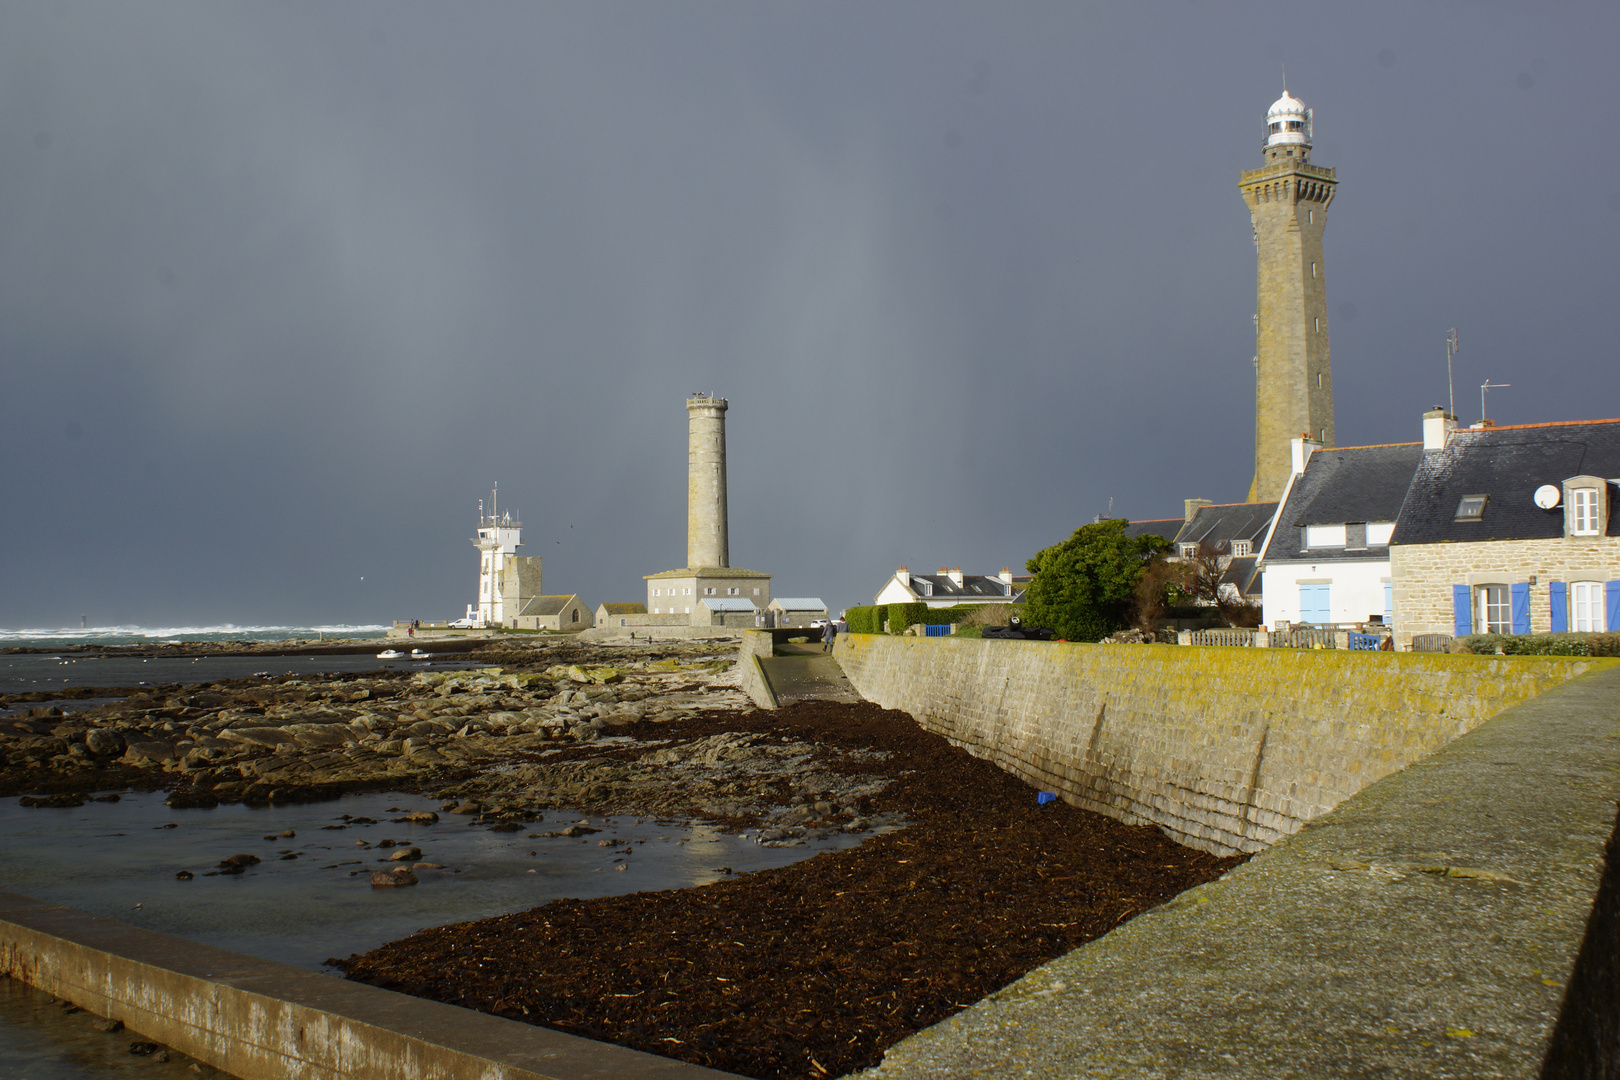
<point>1451,350</point>
<point>1484,386</point>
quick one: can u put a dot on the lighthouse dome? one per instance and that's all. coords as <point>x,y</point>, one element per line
<point>1288,122</point>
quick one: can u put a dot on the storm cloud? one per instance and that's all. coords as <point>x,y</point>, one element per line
<point>284,288</point>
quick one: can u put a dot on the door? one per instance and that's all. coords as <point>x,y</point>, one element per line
<point>1315,603</point>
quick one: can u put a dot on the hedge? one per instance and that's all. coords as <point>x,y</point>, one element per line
<point>865,620</point>
<point>1541,644</point>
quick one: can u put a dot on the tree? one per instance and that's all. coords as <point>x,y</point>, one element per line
<point>1084,588</point>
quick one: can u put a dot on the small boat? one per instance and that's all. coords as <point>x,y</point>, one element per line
<point>421,654</point>
<point>390,654</point>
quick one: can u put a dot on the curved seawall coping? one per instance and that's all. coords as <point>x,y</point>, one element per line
<point>260,1020</point>
<point>1225,749</point>
<point>1458,918</point>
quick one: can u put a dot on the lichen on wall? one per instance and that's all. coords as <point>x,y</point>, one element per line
<point>1226,749</point>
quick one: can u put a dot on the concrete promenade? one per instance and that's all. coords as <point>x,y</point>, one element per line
<point>260,1020</point>
<point>1457,918</point>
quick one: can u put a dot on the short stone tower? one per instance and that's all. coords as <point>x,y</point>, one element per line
<point>706,526</point>
<point>1288,199</point>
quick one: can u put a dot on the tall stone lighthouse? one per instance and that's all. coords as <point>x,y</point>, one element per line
<point>1288,199</point>
<point>706,527</point>
<point>708,590</point>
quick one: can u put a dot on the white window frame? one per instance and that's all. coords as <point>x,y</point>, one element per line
<point>1241,548</point>
<point>1586,602</point>
<point>1485,607</point>
<point>1189,551</point>
<point>1583,511</point>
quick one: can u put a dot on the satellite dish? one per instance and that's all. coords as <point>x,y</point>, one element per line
<point>1548,496</point>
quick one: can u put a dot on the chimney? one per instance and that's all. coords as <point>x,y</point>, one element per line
<point>1190,507</point>
<point>955,574</point>
<point>1437,428</point>
<point>1301,449</point>
<point>1005,576</point>
<point>706,482</point>
<point>903,576</point>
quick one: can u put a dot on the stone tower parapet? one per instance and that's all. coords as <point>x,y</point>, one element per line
<point>1288,200</point>
<point>706,525</point>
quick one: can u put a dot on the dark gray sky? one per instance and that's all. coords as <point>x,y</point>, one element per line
<point>285,286</point>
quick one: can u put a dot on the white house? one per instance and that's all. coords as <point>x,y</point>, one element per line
<point>950,587</point>
<point>1326,558</point>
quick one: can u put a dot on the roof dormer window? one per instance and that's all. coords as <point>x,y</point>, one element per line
<point>1471,507</point>
<point>1583,512</point>
<point>1241,548</point>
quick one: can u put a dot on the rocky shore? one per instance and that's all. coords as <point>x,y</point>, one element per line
<point>519,729</point>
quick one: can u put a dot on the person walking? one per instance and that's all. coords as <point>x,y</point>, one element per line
<point>829,631</point>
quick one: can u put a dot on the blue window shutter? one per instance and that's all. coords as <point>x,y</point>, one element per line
<point>1462,607</point>
<point>1389,603</point>
<point>1558,603</point>
<point>1611,606</point>
<point>1520,594</point>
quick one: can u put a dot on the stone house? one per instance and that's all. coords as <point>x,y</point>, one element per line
<point>1326,559</point>
<point>729,611</point>
<point>618,614</point>
<point>676,592</point>
<point>796,611</point>
<point>553,613</point>
<point>1509,530</point>
<point>950,587</point>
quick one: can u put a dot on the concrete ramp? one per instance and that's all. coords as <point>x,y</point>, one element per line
<point>804,672</point>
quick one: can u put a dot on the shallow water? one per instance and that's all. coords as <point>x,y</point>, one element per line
<point>26,672</point>
<point>40,1040</point>
<point>119,860</point>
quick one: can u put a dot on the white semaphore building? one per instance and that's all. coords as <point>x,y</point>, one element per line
<point>507,581</point>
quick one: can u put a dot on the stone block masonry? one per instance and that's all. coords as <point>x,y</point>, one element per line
<point>1225,749</point>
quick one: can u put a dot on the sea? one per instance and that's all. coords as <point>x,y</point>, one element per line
<point>78,666</point>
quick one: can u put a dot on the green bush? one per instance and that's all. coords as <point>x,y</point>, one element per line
<point>1541,644</point>
<point>903,615</point>
<point>865,620</point>
<point>944,616</point>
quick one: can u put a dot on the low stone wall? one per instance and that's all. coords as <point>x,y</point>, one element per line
<point>260,1020</point>
<point>1226,750</point>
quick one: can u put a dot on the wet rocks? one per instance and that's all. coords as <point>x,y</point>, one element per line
<point>184,875</point>
<point>406,853</point>
<point>192,800</point>
<point>103,743</point>
<point>392,879</point>
<point>56,802</point>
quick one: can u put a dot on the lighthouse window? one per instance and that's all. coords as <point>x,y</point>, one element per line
<point>1319,380</point>
<point>1316,324</point>
<point>1313,269</point>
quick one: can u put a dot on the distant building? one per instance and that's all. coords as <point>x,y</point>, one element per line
<point>1326,562</point>
<point>796,611</point>
<point>950,587</point>
<point>726,611</point>
<point>565,613</point>
<point>506,580</point>
<point>618,614</point>
<point>1234,532</point>
<point>708,572</point>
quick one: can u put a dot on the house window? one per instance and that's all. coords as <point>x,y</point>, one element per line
<point>1583,508</point>
<point>1471,507</point>
<point>1325,536</point>
<point>1188,551</point>
<point>1240,548</point>
<point>1355,535</point>
<point>756,591</point>
<point>576,615</point>
<point>1586,604</point>
<point>1495,610</point>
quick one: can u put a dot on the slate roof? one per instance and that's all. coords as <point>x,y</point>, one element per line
<point>624,609</point>
<point>799,603</point>
<point>973,587</point>
<point>1340,484</point>
<point>547,605</point>
<point>1507,464</point>
<point>1220,524</point>
<point>1240,573</point>
<point>1165,527</point>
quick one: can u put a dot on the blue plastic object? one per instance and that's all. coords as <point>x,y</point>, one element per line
<point>1045,797</point>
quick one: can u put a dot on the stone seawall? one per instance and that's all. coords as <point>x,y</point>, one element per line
<point>260,1020</point>
<point>1226,750</point>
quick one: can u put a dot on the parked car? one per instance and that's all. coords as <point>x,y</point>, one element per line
<point>463,624</point>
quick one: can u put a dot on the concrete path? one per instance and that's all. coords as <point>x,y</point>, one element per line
<point>1457,918</point>
<point>803,672</point>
